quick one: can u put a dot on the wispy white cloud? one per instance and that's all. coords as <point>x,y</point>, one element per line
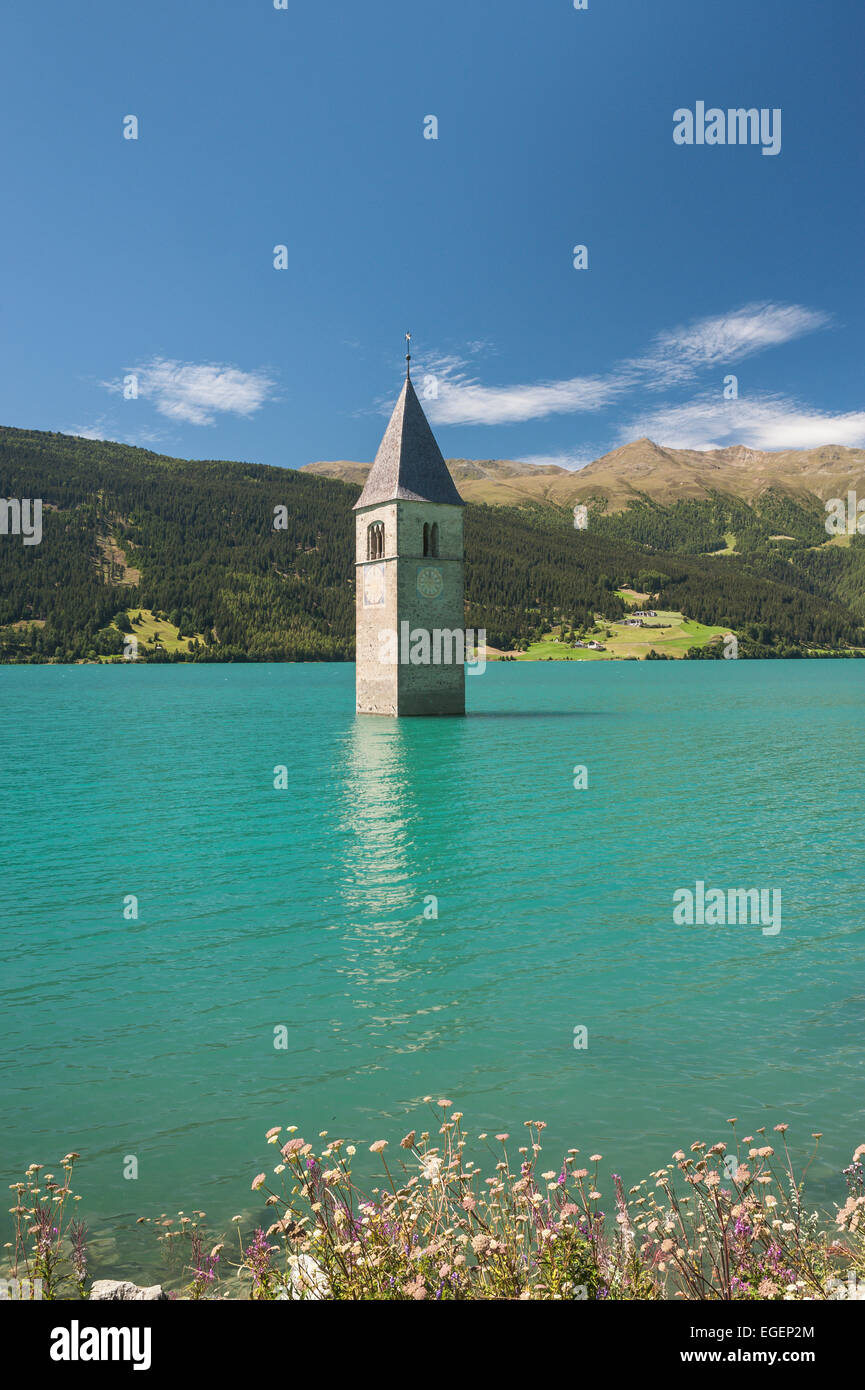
<point>110,428</point>
<point>197,393</point>
<point>680,354</point>
<point>469,403</point>
<point>454,396</point>
<point>759,422</point>
<point>96,431</point>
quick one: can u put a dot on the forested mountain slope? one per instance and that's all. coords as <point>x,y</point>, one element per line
<point>125,529</point>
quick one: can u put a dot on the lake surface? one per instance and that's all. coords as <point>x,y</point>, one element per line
<point>304,907</point>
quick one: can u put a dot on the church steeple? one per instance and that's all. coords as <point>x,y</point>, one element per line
<point>409,465</point>
<point>409,573</point>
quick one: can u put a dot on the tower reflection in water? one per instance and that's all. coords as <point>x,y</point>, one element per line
<point>402,808</point>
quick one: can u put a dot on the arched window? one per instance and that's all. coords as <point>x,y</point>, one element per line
<point>434,539</point>
<point>375,540</point>
<point>426,549</point>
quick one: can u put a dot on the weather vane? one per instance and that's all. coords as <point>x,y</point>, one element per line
<point>408,355</point>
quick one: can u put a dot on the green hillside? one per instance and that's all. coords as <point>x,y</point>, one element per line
<point>192,546</point>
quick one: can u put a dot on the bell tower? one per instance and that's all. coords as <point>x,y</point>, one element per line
<point>410,616</point>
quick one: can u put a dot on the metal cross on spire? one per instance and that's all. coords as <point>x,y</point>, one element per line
<point>408,356</point>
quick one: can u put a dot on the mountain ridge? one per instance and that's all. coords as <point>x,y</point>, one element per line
<point>643,468</point>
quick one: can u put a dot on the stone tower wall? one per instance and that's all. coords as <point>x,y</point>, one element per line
<point>375,683</point>
<point>416,592</point>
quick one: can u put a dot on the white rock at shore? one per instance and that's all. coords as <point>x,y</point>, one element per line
<point>307,1279</point>
<point>104,1289</point>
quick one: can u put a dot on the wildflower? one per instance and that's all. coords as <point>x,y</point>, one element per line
<point>257,1258</point>
<point>293,1147</point>
<point>503,1138</point>
<point>258,1181</point>
<point>378,1147</point>
<point>408,1141</point>
<point>850,1216</point>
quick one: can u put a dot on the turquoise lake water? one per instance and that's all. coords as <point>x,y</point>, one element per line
<point>304,907</point>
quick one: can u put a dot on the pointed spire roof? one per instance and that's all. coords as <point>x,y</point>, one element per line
<point>409,463</point>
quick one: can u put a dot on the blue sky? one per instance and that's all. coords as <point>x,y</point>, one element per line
<point>304,127</point>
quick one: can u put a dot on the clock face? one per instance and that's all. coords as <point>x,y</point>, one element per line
<point>373,586</point>
<point>429,581</point>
